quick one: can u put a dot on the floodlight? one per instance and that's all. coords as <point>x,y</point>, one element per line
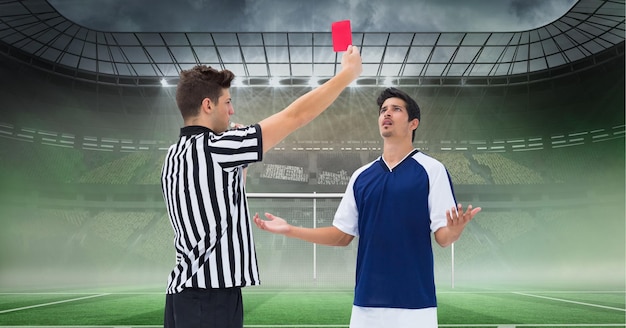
<point>274,82</point>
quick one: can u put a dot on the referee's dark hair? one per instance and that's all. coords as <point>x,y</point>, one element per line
<point>198,83</point>
<point>411,105</point>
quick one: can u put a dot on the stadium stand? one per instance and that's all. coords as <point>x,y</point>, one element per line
<point>81,154</point>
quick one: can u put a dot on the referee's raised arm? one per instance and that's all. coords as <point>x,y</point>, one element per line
<point>310,105</point>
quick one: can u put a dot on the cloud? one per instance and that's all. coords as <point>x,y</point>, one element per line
<point>538,12</point>
<point>311,16</point>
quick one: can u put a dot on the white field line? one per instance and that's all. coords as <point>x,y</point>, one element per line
<point>310,326</point>
<point>344,325</point>
<point>569,301</point>
<point>566,325</point>
<point>313,291</point>
<point>51,303</point>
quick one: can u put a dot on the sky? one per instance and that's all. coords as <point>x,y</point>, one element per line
<point>312,15</point>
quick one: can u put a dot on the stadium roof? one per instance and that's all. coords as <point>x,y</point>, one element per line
<point>33,31</point>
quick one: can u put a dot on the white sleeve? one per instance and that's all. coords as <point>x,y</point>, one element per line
<point>441,196</point>
<point>347,215</point>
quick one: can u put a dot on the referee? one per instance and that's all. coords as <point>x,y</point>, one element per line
<point>203,187</point>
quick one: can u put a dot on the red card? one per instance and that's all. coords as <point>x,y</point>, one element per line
<point>342,35</point>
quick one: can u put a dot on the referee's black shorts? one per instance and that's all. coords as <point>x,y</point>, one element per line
<point>204,308</point>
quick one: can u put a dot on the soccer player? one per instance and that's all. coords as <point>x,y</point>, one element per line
<point>393,204</point>
<point>203,188</point>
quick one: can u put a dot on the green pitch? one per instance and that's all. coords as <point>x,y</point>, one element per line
<point>266,307</point>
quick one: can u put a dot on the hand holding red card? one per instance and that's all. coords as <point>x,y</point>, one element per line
<point>342,35</point>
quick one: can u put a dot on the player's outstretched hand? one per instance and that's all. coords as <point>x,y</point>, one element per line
<point>273,223</point>
<point>458,219</point>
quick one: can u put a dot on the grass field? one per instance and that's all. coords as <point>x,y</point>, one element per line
<point>264,307</point>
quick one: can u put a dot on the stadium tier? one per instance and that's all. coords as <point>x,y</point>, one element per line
<point>529,124</point>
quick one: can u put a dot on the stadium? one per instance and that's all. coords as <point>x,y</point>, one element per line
<point>529,124</point>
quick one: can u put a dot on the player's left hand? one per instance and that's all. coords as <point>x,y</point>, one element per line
<point>457,218</point>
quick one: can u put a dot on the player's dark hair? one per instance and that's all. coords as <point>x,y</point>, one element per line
<point>411,105</point>
<point>198,83</point>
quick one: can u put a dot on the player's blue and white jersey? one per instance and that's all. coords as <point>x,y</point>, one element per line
<point>394,211</point>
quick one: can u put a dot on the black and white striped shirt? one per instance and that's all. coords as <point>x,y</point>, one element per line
<point>203,189</point>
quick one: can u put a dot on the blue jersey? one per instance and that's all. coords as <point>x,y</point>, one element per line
<point>393,211</point>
